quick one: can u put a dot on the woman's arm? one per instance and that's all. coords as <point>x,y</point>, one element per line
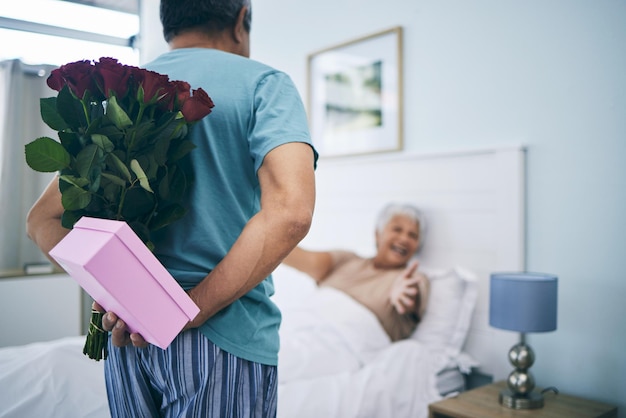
<point>317,264</point>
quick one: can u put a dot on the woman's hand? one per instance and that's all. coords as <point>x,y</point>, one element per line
<point>120,335</point>
<point>404,290</point>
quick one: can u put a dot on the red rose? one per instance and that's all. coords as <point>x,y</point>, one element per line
<point>77,75</point>
<point>112,77</point>
<point>151,86</point>
<point>181,91</point>
<point>197,106</point>
<point>55,80</point>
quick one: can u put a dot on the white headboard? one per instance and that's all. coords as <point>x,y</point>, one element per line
<point>473,202</point>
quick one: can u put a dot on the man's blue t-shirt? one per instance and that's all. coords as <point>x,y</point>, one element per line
<point>257,108</point>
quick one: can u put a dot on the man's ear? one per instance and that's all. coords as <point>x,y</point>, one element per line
<point>239,31</point>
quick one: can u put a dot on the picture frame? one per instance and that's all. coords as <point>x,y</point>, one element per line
<point>355,95</point>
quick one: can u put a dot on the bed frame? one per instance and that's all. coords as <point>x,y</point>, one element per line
<point>474,203</point>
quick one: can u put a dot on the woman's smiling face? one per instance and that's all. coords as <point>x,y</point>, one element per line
<point>397,242</point>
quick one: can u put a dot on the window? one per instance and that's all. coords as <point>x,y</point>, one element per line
<point>43,34</point>
<point>56,32</point>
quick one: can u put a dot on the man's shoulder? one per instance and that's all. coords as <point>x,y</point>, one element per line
<point>211,55</point>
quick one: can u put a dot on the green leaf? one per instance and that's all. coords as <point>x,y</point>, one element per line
<point>89,160</point>
<point>114,179</point>
<point>111,192</point>
<point>164,186</point>
<point>149,165</point>
<point>142,133</point>
<point>141,176</point>
<point>103,142</point>
<point>71,142</point>
<point>96,110</point>
<point>96,204</point>
<point>165,121</point>
<point>116,114</point>
<point>182,132</point>
<point>111,132</point>
<point>138,202</point>
<point>89,164</point>
<point>166,216</point>
<point>96,126</point>
<point>115,163</point>
<point>160,150</point>
<point>140,94</point>
<point>46,155</point>
<point>71,109</point>
<point>74,198</point>
<point>79,182</point>
<point>179,149</point>
<point>69,218</point>
<point>50,114</point>
<point>177,184</point>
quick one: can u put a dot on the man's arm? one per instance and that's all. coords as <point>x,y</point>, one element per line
<point>287,182</point>
<point>43,223</point>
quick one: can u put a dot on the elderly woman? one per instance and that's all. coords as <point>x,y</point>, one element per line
<point>388,284</point>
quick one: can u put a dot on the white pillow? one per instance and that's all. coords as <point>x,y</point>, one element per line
<point>448,315</point>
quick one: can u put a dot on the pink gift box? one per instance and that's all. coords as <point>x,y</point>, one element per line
<point>117,270</point>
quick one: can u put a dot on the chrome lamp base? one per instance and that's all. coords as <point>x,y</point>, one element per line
<point>515,401</point>
<point>521,382</point>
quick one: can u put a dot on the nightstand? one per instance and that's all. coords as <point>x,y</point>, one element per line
<point>483,402</point>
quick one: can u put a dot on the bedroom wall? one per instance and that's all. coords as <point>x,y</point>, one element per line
<point>550,75</point>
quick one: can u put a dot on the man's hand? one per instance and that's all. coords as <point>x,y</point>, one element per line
<point>200,318</point>
<point>404,290</point>
<point>120,335</point>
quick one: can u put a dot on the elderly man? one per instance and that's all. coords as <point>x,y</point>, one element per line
<point>251,203</point>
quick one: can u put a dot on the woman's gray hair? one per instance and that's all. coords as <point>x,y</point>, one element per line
<point>405,209</point>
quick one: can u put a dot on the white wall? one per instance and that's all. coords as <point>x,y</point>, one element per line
<point>547,74</point>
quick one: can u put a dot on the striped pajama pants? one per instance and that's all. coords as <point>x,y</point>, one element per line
<point>192,378</point>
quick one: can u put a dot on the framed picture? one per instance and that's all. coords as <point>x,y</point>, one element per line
<point>355,95</point>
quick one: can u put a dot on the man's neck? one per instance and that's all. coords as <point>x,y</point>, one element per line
<point>221,41</point>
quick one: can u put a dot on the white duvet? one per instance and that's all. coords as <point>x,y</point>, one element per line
<point>336,361</point>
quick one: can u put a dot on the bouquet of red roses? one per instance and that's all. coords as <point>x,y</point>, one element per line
<point>122,142</point>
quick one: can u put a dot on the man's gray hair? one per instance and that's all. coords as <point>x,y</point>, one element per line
<point>179,16</point>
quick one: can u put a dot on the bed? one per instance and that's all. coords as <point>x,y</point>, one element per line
<point>335,360</point>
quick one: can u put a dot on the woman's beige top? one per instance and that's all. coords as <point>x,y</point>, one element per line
<point>370,286</point>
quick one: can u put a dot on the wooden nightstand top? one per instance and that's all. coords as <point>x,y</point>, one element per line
<point>483,402</point>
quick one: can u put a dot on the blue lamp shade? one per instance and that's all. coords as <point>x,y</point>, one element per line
<point>523,302</point>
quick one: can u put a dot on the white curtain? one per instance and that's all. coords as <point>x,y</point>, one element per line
<point>21,87</point>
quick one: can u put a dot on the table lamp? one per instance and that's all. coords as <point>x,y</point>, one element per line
<point>522,302</point>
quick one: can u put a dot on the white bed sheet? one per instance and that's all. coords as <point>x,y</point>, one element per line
<point>51,380</point>
<point>337,361</point>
